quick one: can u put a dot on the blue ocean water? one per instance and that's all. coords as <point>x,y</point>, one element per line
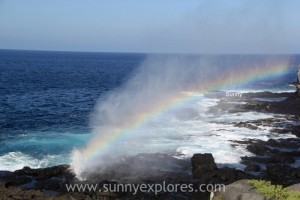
<point>46,99</point>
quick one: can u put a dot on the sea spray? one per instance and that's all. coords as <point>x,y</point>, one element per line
<point>160,86</point>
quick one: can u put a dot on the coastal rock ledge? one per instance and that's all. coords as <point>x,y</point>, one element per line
<point>49,183</point>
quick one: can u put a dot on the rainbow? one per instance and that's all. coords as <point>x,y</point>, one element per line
<point>101,143</point>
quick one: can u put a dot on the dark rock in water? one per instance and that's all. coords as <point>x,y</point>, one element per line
<point>203,163</point>
<point>280,158</point>
<point>246,125</point>
<point>257,148</point>
<point>290,105</point>
<point>276,158</point>
<point>43,173</point>
<point>205,168</point>
<point>228,175</point>
<point>11,179</point>
<point>298,82</point>
<point>296,131</point>
<point>252,168</point>
<point>283,174</point>
<point>27,183</point>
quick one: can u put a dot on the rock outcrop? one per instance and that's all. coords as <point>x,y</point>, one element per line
<point>295,187</point>
<point>239,190</point>
<point>205,169</point>
<point>202,164</point>
<point>298,82</point>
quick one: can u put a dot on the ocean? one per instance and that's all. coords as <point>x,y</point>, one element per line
<point>46,101</point>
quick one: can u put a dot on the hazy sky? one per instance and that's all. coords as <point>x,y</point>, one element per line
<point>172,26</point>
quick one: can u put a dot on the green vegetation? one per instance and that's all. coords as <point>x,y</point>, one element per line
<point>274,192</point>
<point>218,196</point>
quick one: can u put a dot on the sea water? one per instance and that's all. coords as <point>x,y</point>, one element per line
<point>46,100</point>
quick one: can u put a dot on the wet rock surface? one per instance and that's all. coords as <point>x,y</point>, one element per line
<point>50,183</point>
<point>260,102</point>
<point>276,160</point>
<point>204,168</point>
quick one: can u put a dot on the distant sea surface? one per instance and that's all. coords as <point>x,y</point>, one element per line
<point>46,99</point>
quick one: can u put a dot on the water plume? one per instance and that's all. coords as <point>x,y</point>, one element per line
<point>160,86</point>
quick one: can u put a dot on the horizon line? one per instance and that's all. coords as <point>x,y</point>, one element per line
<point>132,52</point>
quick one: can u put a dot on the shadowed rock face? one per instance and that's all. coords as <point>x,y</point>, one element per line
<point>297,83</point>
<point>298,80</point>
<point>202,163</point>
<point>204,168</point>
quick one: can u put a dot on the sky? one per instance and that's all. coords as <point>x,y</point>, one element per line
<point>152,26</point>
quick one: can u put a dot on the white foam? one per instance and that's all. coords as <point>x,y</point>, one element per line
<point>277,99</point>
<point>182,132</point>
<point>297,162</point>
<point>17,160</point>
<point>205,134</point>
<point>240,117</point>
<point>262,90</point>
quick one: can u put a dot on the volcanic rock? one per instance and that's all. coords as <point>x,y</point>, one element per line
<point>203,163</point>
<point>239,190</point>
<point>283,174</point>
<point>205,168</point>
<point>252,168</point>
<point>295,187</point>
<point>43,173</point>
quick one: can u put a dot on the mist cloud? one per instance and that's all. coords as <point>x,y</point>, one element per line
<point>158,83</point>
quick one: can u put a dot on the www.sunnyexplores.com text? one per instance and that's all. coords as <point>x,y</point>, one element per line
<point>149,188</point>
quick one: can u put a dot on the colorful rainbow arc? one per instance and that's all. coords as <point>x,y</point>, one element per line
<point>100,144</point>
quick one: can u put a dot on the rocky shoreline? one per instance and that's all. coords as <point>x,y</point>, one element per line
<point>274,160</point>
